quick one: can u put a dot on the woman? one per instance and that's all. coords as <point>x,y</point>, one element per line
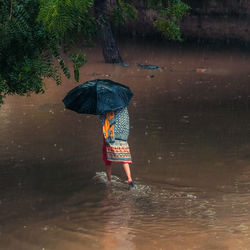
<point>115,126</point>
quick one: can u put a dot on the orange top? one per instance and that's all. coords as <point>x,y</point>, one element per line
<point>108,130</point>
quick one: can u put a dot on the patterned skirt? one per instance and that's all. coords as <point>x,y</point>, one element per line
<point>116,152</point>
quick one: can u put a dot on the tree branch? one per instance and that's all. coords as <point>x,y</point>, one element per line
<point>11,9</point>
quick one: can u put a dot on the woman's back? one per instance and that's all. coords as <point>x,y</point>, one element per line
<point>121,125</point>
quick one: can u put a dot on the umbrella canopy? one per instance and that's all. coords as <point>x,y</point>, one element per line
<point>98,97</point>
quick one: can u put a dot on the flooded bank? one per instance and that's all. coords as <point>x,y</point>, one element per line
<point>190,145</point>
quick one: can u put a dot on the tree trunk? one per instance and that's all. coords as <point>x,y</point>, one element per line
<point>110,51</point>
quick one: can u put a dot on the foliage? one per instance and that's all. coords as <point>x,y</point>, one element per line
<point>27,50</point>
<point>79,59</point>
<point>168,18</point>
<point>61,17</point>
<point>22,61</point>
<point>32,32</point>
<point>169,13</point>
<point>70,19</point>
<point>123,12</point>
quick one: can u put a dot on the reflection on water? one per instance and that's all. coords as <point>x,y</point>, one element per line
<point>190,145</point>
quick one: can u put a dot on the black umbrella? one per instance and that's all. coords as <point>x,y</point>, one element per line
<point>98,97</point>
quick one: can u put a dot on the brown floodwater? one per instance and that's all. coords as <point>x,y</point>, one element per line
<point>190,142</point>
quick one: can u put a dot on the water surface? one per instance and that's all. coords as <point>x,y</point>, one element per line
<point>190,145</point>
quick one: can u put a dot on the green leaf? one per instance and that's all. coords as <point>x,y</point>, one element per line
<point>79,59</point>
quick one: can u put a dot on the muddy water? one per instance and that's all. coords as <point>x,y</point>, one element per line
<point>190,145</point>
